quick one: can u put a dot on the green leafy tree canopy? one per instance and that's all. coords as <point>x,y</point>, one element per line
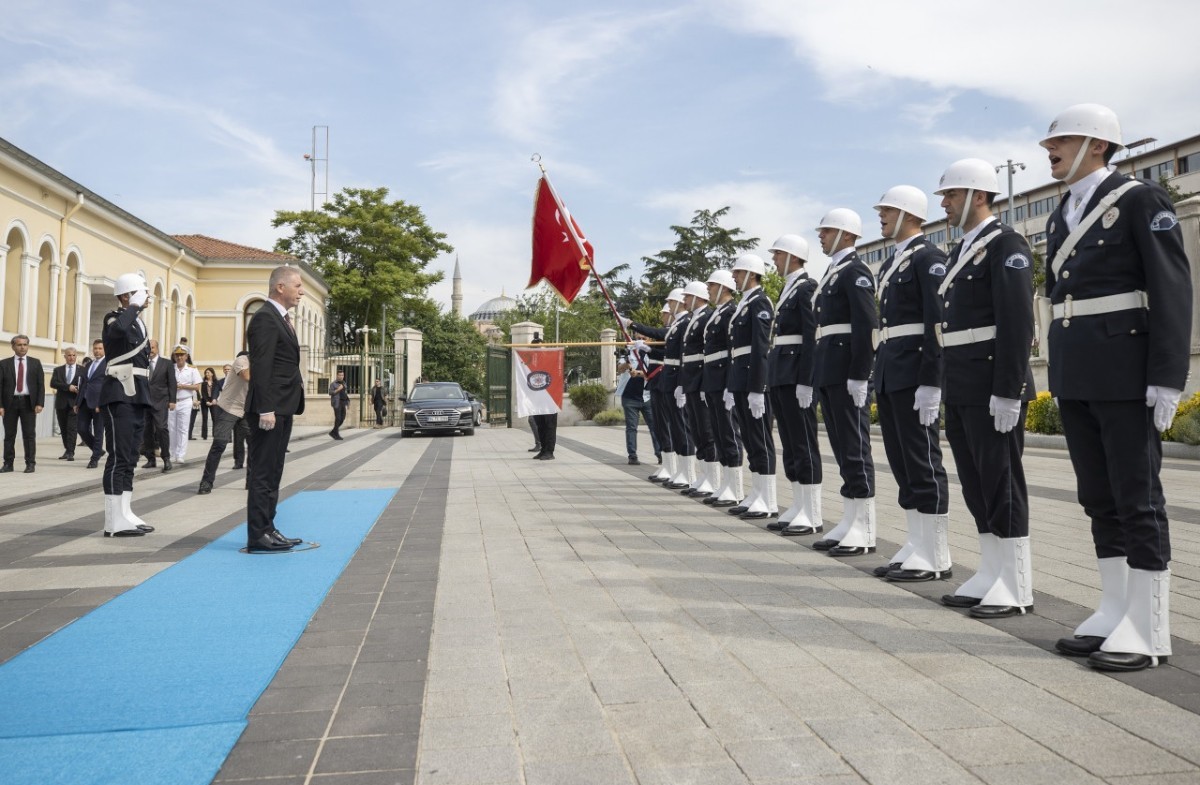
<point>701,247</point>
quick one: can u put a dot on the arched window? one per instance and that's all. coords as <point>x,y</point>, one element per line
<point>71,306</point>
<point>45,293</point>
<point>11,306</point>
<point>247,312</point>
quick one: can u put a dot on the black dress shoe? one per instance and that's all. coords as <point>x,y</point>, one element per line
<point>70,456</point>
<point>127,533</point>
<point>824,545</point>
<point>676,486</point>
<point>1121,661</point>
<point>698,494</point>
<point>63,457</point>
<point>724,503</point>
<point>150,464</point>
<point>754,516</point>
<point>267,544</point>
<point>959,601</point>
<point>1079,645</point>
<point>535,448</point>
<point>29,469</point>
<point>338,437</point>
<point>901,575</point>
<point>633,461</point>
<point>205,487</point>
<point>145,527</point>
<point>544,456</point>
<point>710,499</point>
<point>881,572</point>
<point>166,465</point>
<point>237,466</point>
<point>738,509</point>
<point>998,611</point>
<point>93,463</point>
<point>279,537</point>
<point>842,551</point>
<point>6,468</point>
<point>776,526</point>
<point>800,531</point>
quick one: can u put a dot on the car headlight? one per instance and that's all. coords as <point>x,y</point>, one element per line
<point>408,410</point>
<point>465,409</point>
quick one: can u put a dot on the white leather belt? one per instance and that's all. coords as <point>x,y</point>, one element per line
<point>652,361</point>
<point>884,334</point>
<point>693,358</point>
<point>789,340</point>
<point>833,329</point>
<point>964,337</point>
<point>671,362</point>
<point>741,350</point>
<point>1094,306</point>
<point>717,356</point>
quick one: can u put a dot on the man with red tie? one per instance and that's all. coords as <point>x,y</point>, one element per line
<point>22,396</point>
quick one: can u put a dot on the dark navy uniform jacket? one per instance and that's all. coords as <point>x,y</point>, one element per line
<point>1114,356</point>
<point>910,297</point>
<point>993,289</point>
<point>791,363</point>
<point>122,332</point>
<point>693,344</point>
<point>716,339</point>
<point>668,380</point>
<point>750,326</point>
<point>847,298</point>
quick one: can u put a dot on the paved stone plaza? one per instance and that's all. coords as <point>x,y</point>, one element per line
<point>512,621</point>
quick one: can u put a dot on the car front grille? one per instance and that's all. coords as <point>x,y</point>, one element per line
<point>437,418</point>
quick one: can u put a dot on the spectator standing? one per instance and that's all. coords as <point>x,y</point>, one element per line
<point>65,379</point>
<point>635,401</point>
<point>90,422</point>
<point>162,400</point>
<point>209,389</point>
<point>22,396</point>
<point>379,402</point>
<point>339,399</point>
<point>229,420</point>
<point>187,384</point>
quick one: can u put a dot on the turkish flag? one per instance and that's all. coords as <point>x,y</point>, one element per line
<point>562,256</point>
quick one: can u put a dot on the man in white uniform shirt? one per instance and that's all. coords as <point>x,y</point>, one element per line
<point>179,419</point>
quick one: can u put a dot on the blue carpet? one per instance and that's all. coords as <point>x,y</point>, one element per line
<point>177,661</point>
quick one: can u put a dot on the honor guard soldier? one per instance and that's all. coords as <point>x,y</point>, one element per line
<point>1120,302</point>
<point>124,397</point>
<point>746,385</point>
<point>728,491</point>
<point>793,339</point>
<point>653,359</point>
<point>986,334</point>
<point>845,311</point>
<point>680,459</point>
<point>691,399</point>
<point>908,379</point>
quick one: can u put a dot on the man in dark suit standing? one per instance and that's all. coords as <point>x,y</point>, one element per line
<point>65,379</point>
<point>91,423</point>
<point>276,394</point>
<point>162,400</point>
<point>339,399</point>
<point>22,396</point>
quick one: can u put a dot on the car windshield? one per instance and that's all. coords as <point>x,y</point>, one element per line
<point>436,391</point>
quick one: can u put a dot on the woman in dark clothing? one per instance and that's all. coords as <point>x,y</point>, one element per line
<point>208,397</point>
<point>379,401</point>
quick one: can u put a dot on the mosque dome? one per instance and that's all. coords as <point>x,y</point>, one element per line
<point>493,309</point>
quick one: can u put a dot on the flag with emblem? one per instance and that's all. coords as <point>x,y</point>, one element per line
<point>562,256</point>
<point>538,380</point>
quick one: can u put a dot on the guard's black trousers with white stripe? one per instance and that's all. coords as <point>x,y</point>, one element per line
<point>756,434</point>
<point>797,436</point>
<point>849,430</point>
<point>913,453</point>
<point>990,470</point>
<point>123,425</point>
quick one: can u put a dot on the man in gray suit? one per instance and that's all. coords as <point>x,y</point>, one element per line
<point>162,400</point>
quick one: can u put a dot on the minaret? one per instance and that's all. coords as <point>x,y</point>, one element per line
<point>456,295</point>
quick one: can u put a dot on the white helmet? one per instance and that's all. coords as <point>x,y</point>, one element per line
<point>676,295</point>
<point>974,174</point>
<point>128,283</point>
<point>842,219</point>
<point>723,278</point>
<point>665,309</point>
<point>792,244</point>
<point>696,289</point>
<point>751,263</point>
<point>909,200</point>
<point>1091,120</point>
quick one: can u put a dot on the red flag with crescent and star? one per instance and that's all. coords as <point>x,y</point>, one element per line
<point>562,256</point>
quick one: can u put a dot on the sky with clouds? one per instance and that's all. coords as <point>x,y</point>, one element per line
<point>196,118</point>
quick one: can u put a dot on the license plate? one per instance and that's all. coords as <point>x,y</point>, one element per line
<point>441,418</point>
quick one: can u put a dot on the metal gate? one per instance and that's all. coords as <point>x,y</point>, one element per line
<point>499,385</point>
<point>362,367</point>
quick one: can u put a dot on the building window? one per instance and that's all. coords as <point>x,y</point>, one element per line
<point>1153,173</point>
<point>1189,163</point>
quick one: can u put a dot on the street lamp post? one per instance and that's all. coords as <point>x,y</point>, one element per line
<point>1012,167</point>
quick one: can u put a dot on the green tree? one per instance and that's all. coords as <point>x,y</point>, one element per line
<point>1176,195</point>
<point>452,349</point>
<point>700,248</point>
<point>372,253</point>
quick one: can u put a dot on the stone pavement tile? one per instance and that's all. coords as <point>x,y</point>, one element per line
<point>922,764</point>
<point>555,741</point>
<point>727,773</point>
<point>1187,778</point>
<point>636,689</point>
<point>478,656</point>
<point>601,770</point>
<point>877,733</point>
<point>283,727</point>
<point>816,693</point>
<point>453,733</point>
<point>399,693</point>
<point>479,766</point>
<point>744,710</point>
<point>280,700</point>
<point>388,672</point>
<point>994,746</point>
<point>395,777</point>
<point>466,703</point>
<point>268,759</point>
<point>330,655</point>
<point>377,720</point>
<point>367,753</point>
<point>640,719</point>
<point>574,687</point>
<point>310,675</point>
<point>924,705</point>
<point>451,678</point>
<point>1171,728</point>
<point>1113,753</point>
<point>784,758</point>
<point>1035,773</point>
<point>671,746</point>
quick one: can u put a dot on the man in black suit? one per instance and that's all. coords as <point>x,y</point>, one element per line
<point>1119,297</point>
<point>66,379</point>
<point>91,423</point>
<point>276,394</point>
<point>22,396</point>
<point>162,400</point>
<point>339,399</point>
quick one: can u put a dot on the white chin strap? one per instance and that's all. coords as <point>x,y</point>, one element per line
<point>837,239</point>
<point>896,228</point>
<point>1087,140</point>
<point>962,219</point>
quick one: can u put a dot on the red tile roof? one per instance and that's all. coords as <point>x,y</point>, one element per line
<point>220,249</point>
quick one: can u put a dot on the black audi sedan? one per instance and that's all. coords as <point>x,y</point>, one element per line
<point>438,406</point>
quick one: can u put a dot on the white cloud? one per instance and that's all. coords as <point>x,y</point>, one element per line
<point>494,259</point>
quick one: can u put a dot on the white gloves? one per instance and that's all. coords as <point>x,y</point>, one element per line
<point>1007,412</point>
<point>138,299</point>
<point>928,399</point>
<point>758,405</point>
<point>804,395</point>
<point>639,346</point>
<point>728,399</point>
<point>704,397</point>
<point>624,322</point>
<point>680,398</point>
<point>858,391</point>
<point>1165,401</point>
